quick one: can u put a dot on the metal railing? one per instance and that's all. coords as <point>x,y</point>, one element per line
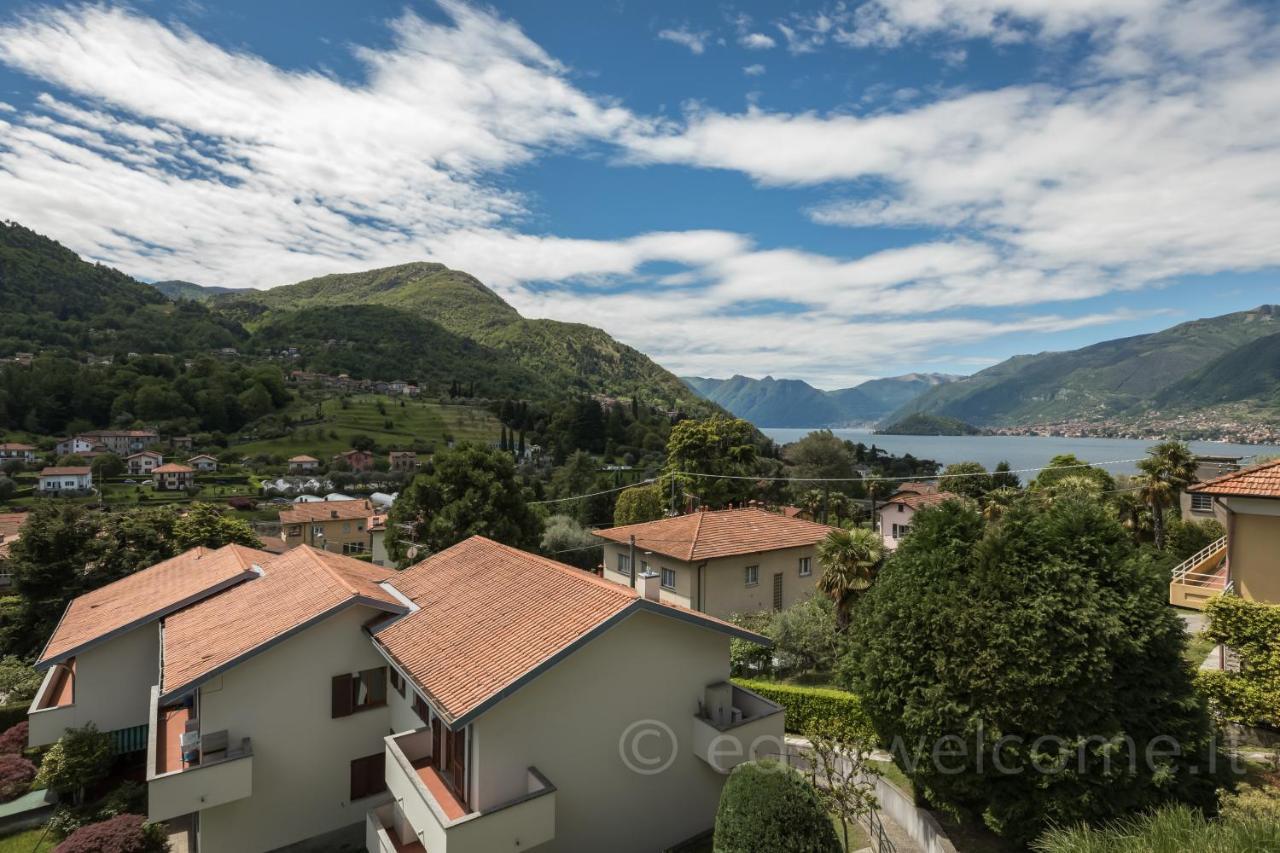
<point>879,838</point>
<point>1188,566</point>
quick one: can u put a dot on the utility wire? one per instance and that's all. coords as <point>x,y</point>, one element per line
<point>593,494</point>
<point>882,478</point>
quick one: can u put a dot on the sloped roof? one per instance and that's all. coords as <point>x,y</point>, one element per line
<point>303,458</point>
<point>491,617</point>
<point>13,445</point>
<point>721,533</point>
<point>1259,481</point>
<point>66,471</point>
<point>173,468</point>
<point>145,453</point>
<point>326,511</point>
<point>295,589</point>
<point>146,596</point>
<point>920,501</point>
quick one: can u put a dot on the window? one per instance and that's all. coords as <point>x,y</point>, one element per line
<point>902,507</point>
<point>397,681</point>
<point>900,531</point>
<point>806,566</point>
<point>359,691</point>
<point>1201,503</point>
<point>753,575</point>
<point>353,548</point>
<point>669,578</point>
<point>317,530</point>
<point>368,776</point>
<point>421,708</point>
<point>624,564</point>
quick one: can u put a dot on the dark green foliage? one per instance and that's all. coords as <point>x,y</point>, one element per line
<point>1252,630</point>
<point>80,758</point>
<point>1173,829</point>
<point>838,711</point>
<point>1069,465</point>
<point>564,539</point>
<point>747,659</point>
<point>1051,624</point>
<point>1184,539</point>
<point>639,504</point>
<point>19,682</point>
<point>768,808</point>
<point>1251,372</point>
<point>718,445</point>
<point>967,479</point>
<point>924,424</point>
<point>806,637</point>
<point>463,492</point>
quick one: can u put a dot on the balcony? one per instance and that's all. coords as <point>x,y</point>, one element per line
<point>189,770</point>
<point>1201,578</point>
<point>426,816</point>
<point>53,711</point>
<point>734,725</point>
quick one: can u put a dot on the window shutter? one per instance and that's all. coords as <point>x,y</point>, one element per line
<point>343,695</point>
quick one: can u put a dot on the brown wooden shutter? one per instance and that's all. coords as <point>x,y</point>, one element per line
<point>343,695</point>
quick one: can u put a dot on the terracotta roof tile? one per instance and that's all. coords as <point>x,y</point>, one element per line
<point>920,501</point>
<point>303,458</point>
<point>13,445</point>
<point>172,468</point>
<point>148,595</point>
<point>721,533</point>
<point>490,615</point>
<point>295,587</point>
<point>326,511</point>
<point>65,471</point>
<point>1259,481</point>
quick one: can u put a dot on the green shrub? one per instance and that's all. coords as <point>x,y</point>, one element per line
<point>1173,829</point>
<point>768,808</point>
<point>1250,803</point>
<point>1252,630</point>
<point>809,707</point>
<point>745,657</point>
<point>80,758</point>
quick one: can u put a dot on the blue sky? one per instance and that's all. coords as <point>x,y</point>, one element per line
<point>822,191</point>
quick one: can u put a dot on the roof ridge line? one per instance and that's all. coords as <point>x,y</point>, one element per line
<point>564,568</point>
<point>317,557</point>
<point>697,532</point>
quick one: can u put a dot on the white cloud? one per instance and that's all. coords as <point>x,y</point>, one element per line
<point>753,70</point>
<point>757,41</point>
<point>695,40</point>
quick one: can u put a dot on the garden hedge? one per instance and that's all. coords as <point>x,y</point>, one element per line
<point>767,807</point>
<point>810,707</point>
<point>11,715</point>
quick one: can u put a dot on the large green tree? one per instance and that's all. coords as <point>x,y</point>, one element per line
<point>465,491</point>
<point>1066,465</point>
<point>968,479</point>
<point>720,446</point>
<point>1168,469</point>
<point>207,525</point>
<point>1022,671</point>
<point>638,504</point>
<point>820,455</point>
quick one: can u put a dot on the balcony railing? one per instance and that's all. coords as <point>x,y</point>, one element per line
<point>428,815</point>
<point>734,726</point>
<point>189,770</point>
<point>1201,577</point>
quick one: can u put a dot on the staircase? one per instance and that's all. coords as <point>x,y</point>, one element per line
<point>1200,578</point>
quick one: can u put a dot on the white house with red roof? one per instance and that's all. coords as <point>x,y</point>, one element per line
<point>65,479</point>
<point>530,705</point>
<point>894,517</point>
<point>17,450</point>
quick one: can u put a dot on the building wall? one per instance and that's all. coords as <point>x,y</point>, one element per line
<point>301,755</point>
<point>112,687</point>
<point>378,548</point>
<point>337,532</point>
<point>1255,550</point>
<point>887,517</point>
<point>725,591</point>
<point>568,723</point>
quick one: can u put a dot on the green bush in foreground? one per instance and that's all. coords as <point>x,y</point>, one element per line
<point>809,707</point>
<point>768,808</point>
<point>1175,829</point>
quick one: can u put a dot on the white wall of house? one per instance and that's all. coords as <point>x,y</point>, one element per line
<point>112,687</point>
<point>568,723</point>
<point>301,755</point>
<point>894,519</point>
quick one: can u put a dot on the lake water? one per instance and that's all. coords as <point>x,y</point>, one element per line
<point>1021,451</point>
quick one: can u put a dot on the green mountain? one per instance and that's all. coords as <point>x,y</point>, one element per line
<point>176,289</point>
<point>1108,379</point>
<point>1250,373</point>
<point>54,300</point>
<point>920,424</point>
<point>770,402</point>
<point>509,349</point>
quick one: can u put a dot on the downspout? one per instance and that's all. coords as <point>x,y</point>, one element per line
<point>700,607</point>
<point>1231,537</point>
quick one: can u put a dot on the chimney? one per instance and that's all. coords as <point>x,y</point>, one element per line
<point>647,582</point>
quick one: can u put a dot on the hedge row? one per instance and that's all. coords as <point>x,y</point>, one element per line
<point>11,715</point>
<point>810,707</point>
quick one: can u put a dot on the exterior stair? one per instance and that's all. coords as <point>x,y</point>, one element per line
<point>1201,577</point>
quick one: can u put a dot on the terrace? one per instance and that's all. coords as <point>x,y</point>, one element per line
<point>188,769</point>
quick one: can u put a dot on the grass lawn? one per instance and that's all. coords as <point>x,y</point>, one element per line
<point>417,422</point>
<point>892,773</point>
<point>25,842</point>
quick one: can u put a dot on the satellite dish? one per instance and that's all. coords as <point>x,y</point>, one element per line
<point>412,553</point>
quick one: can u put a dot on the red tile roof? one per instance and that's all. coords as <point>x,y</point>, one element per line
<point>295,588</point>
<point>1259,481</point>
<point>147,595</point>
<point>172,468</point>
<point>491,616</point>
<point>65,471</point>
<point>303,458</point>
<point>326,511</point>
<point>12,445</point>
<point>722,533</point>
<point>920,501</point>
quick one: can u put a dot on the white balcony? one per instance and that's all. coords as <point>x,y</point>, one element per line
<point>735,725</point>
<point>189,770</point>
<point>425,813</point>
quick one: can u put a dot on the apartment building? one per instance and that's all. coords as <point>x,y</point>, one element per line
<point>340,526</point>
<point>720,562</point>
<point>264,688</point>
<point>121,442</point>
<point>1246,561</point>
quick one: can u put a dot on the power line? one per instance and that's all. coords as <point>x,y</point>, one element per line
<point>884,479</point>
<point>593,494</point>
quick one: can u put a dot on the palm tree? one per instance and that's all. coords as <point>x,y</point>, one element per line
<point>1168,469</point>
<point>811,502</point>
<point>850,560</point>
<point>839,505</point>
<point>998,502</point>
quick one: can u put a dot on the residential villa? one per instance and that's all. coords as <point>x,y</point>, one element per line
<point>355,460</point>
<point>402,460</point>
<point>66,479</point>
<point>1245,562</point>
<point>1198,506</point>
<point>263,689</point>
<point>15,450</point>
<point>720,561</point>
<point>143,462</point>
<point>79,446</point>
<point>204,463</point>
<point>338,526</point>
<point>894,516</point>
<point>173,477</point>
<point>303,464</point>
